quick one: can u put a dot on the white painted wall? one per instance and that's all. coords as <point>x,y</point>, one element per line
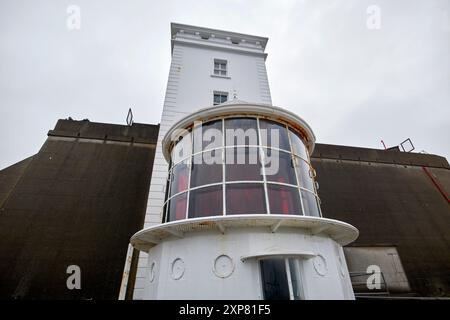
<point>198,250</point>
<point>190,87</point>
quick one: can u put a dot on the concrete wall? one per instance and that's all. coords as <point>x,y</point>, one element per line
<point>76,202</point>
<point>389,197</point>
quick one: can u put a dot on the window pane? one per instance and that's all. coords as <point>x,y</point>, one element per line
<point>245,198</point>
<point>298,145</point>
<point>279,166</point>
<point>274,135</point>
<point>241,131</point>
<point>208,136</point>
<point>223,73</point>
<point>216,99</point>
<point>223,98</point>
<point>284,200</point>
<point>216,65</point>
<point>216,72</point>
<point>177,207</point>
<point>206,168</point>
<point>310,204</point>
<point>274,279</point>
<point>304,174</point>
<point>242,163</point>
<point>180,177</point>
<point>182,148</point>
<point>295,278</point>
<point>205,202</point>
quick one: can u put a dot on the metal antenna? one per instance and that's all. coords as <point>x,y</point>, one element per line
<point>130,117</point>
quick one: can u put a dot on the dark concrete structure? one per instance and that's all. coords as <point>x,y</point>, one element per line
<point>395,199</point>
<point>76,202</point>
<point>79,200</point>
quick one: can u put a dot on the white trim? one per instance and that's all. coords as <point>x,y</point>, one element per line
<point>279,254</point>
<point>237,146</point>
<point>262,161</point>
<point>341,232</point>
<point>190,29</point>
<point>289,278</point>
<point>220,77</point>
<point>235,108</point>
<point>224,172</point>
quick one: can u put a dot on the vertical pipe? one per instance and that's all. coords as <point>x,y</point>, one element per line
<point>436,183</point>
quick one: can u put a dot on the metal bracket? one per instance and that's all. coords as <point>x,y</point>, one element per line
<point>221,227</point>
<point>320,229</point>
<point>176,233</point>
<point>275,227</point>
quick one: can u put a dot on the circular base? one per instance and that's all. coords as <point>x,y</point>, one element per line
<point>341,232</point>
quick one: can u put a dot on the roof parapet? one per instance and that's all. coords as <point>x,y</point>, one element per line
<point>214,37</point>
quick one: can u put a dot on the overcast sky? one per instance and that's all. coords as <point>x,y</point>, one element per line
<point>354,84</point>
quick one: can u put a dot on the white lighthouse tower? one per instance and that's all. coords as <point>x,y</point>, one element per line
<point>233,211</point>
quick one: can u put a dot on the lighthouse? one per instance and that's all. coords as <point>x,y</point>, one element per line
<point>233,209</point>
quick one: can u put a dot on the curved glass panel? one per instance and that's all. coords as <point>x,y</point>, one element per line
<point>310,204</point>
<point>242,163</point>
<point>245,198</point>
<point>279,167</point>
<point>177,207</point>
<point>206,168</point>
<point>241,131</point>
<point>304,174</point>
<point>208,136</point>
<point>183,147</point>
<point>274,134</point>
<point>284,199</point>
<point>206,202</point>
<point>298,146</point>
<point>179,178</point>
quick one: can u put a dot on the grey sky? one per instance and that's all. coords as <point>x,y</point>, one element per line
<point>355,86</point>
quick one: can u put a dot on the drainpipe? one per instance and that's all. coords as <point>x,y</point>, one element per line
<point>436,183</point>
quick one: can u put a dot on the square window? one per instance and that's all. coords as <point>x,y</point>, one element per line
<point>220,67</point>
<point>220,97</point>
